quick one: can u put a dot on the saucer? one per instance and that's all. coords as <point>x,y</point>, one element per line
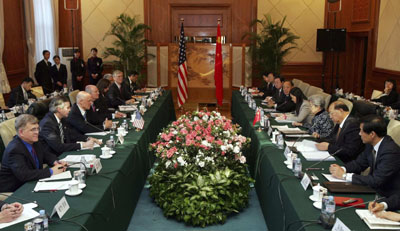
<point>105,157</point>
<point>314,198</point>
<point>112,152</point>
<point>82,186</point>
<point>317,204</point>
<point>68,193</point>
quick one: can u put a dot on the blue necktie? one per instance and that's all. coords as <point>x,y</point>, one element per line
<point>35,157</point>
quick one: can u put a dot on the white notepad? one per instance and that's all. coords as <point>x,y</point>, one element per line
<point>330,178</point>
<point>61,176</point>
<point>27,214</point>
<point>49,186</point>
<point>317,156</point>
<point>374,222</point>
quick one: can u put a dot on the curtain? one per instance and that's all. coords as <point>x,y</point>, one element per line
<point>4,84</point>
<point>44,28</point>
<point>30,36</point>
<point>55,25</point>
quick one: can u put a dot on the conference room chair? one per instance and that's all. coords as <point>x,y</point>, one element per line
<point>313,91</point>
<point>304,87</point>
<point>348,103</point>
<point>376,94</point>
<point>37,91</point>
<point>327,98</point>
<point>72,96</point>
<point>7,132</point>
<point>393,130</point>
<point>2,102</point>
<point>40,108</point>
<point>296,82</point>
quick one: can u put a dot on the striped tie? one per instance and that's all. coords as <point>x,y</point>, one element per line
<point>61,132</point>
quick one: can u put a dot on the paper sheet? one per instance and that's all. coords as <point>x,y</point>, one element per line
<point>330,178</point>
<point>307,146</point>
<point>318,156</point>
<point>74,160</point>
<point>96,145</point>
<point>374,222</point>
<point>299,135</point>
<point>27,214</point>
<point>97,134</point>
<point>61,176</point>
<point>57,185</point>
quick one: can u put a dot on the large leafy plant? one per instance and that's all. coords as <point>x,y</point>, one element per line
<point>270,45</point>
<point>201,177</point>
<point>130,43</point>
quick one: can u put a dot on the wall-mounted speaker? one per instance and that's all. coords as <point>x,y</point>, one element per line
<point>331,40</point>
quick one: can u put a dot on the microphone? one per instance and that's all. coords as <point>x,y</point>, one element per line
<point>91,125</point>
<point>293,148</point>
<point>315,164</point>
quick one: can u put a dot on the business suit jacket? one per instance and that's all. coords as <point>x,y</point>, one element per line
<point>17,97</point>
<point>287,105</point>
<point>51,138</point>
<point>349,141</point>
<point>131,86</point>
<point>118,97</point>
<point>18,166</point>
<point>59,75</point>
<point>393,202</point>
<point>77,121</point>
<point>43,76</point>
<point>304,115</point>
<point>388,100</point>
<point>78,68</point>
<point>384,177</point>
<point>268,89</point>
<point>279,96</point>
<point>94,66</point>
<point>102,106</point>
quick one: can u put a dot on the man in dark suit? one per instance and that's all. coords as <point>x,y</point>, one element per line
<point>78,71</point>
<point>344,141</point>
<point>10,212</point>
<point>287,105</point>
<point>24,157</point>
<point>131,82</point>
<point>95,67</point>
<point>22,93</point>
<point>59,74</point>
<point>279,95</point>
<point>43,73</point>
<point>99,112</point>
<point>268,87</point>
<point>79,119</point>
<point>381,155</point>
<point>56,134</point>
<point>119,94</point>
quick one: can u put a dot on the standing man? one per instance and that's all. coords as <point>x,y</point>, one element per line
<point>43,73</point>
<point>59,74</point>
<point>78,71</point>
<point>24,157</point>
<point>95,67</point>
<point>22,93</point>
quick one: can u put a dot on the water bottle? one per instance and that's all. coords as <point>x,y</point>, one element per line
<point>262,119</point>
<point>280,141</point>
<point>328,212</point>
<point>82,165</point>
<point>111,142</point>
<point>125,125</point>
<point>45,220</point>
<point>297,167</point>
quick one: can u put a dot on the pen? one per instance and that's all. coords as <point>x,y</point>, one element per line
<point>315,169</point>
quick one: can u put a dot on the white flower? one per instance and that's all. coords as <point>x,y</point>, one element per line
<point>167,164</point>
<point>201,164</point>
<point>223,148</point>
<point>196,118</point>
<point>242,159</point>
<point>236,149</point>
<point>175,132</point>
<point>205,143</point>
<point>230,146</point>
<point>205,117</point>
<point>181,161</point>
<point>227,133</point>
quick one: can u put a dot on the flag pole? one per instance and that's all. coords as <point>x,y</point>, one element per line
<point>217,107</point>
<point>181,108</point>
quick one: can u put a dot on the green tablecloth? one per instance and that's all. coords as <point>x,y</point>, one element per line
<point>272,175</point>
<point>109,200</point>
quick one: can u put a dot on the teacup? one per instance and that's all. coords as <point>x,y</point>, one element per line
<point>74,186</point>
<point>319,192</point>
<point>105,151</point>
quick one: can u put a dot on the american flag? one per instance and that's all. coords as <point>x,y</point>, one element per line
<point>182,72</point>
<point>138,122</point>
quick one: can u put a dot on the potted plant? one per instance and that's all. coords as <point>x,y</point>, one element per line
<point>130,44</point>
<point>270,45</point>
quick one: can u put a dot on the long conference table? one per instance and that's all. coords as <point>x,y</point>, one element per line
<point>283,200</point>
<point>109,199</point>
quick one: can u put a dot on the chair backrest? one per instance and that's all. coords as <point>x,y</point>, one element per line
<point>393,130</point>
<point>296,82</point>
<point>72,96</point>
<point>2,102</point>
<point>37,91</point>
<point>303,87</point>
<point>348,103</point>
<point>313,91</point>
<point>7,131</point>
<point>376,94</point>
<point>39,108</point>
<point>327,98</point>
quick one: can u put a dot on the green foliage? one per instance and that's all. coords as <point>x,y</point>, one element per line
<point>130,43</point>
<point>270,45</point>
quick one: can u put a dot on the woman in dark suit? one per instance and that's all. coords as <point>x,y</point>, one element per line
<point>58,74</point>
<point>390,95</point>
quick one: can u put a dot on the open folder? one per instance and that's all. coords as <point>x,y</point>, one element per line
<point>374,222</point>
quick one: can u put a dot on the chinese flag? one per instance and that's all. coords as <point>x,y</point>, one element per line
<point>218,68</point>
<point>257,117</point>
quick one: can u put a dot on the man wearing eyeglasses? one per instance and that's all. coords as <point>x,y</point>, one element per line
<point>24,157</point>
